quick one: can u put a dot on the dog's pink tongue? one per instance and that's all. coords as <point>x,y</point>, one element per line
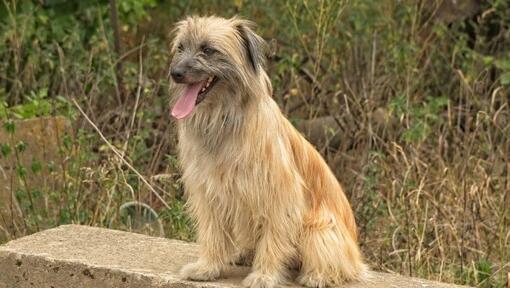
<point>186,102</point>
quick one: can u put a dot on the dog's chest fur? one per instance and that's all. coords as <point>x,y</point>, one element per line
<point>240,166</point>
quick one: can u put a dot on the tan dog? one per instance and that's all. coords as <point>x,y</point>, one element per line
<point>254,184</point>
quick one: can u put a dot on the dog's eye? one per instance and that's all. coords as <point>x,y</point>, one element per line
<point>180,48</point>
<point>208,50</point>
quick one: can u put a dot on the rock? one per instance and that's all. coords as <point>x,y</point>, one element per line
<point>80,256</point>
<point>453,10</point>
<point>320,131</point>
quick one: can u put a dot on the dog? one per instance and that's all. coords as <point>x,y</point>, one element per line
<point>254,185</point>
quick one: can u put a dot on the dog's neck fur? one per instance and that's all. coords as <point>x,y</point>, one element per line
<point>221,117</point>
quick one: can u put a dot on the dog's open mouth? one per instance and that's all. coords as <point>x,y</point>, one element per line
<point>207,87</point>
<point>193,94</point>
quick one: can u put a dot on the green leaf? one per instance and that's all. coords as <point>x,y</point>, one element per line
<point>5,149</point>
<point>398,105</point>
<point>503,64</point>
<point>3,110</point>
<point>22,171</point>
<point>36,166</point>
<point>417,133</point>
<point>484,270</point>
<point>68,141</point>
<point>21,146</point>
<point>37,194</point>
<point>505,79</point>
<point>9,126</point>
<point>488,60</point>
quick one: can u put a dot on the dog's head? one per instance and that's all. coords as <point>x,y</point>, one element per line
<point>213,56</point>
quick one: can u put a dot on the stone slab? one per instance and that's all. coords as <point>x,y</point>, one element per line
<point>81,256</point>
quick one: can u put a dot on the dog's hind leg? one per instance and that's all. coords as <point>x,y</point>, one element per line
<point>328,252</point>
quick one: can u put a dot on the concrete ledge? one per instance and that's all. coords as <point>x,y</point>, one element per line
<point>81,256</point>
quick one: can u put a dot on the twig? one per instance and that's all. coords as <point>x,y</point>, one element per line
<point>138,92</point>
<point>114,22</point>
<point>119,155</point>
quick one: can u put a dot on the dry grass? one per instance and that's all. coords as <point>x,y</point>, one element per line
<point>418,133</point>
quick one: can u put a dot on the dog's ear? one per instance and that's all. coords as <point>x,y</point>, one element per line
<point>254,45</point>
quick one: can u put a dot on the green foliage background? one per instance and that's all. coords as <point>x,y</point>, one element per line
<point>420,105</point>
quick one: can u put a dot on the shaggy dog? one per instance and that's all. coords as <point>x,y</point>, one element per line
<point>254,185</point>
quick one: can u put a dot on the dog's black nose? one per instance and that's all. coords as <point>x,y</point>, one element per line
<point>177,74</point>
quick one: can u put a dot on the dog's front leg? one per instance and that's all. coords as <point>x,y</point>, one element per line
<point>216,246</point>
<point>274,250</point>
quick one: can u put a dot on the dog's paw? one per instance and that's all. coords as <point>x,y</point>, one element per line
<point>312,281</point>
<point>259,280</point>
<point>200,271</point>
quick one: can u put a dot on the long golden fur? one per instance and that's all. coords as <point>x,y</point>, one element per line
<point>254,184</point>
